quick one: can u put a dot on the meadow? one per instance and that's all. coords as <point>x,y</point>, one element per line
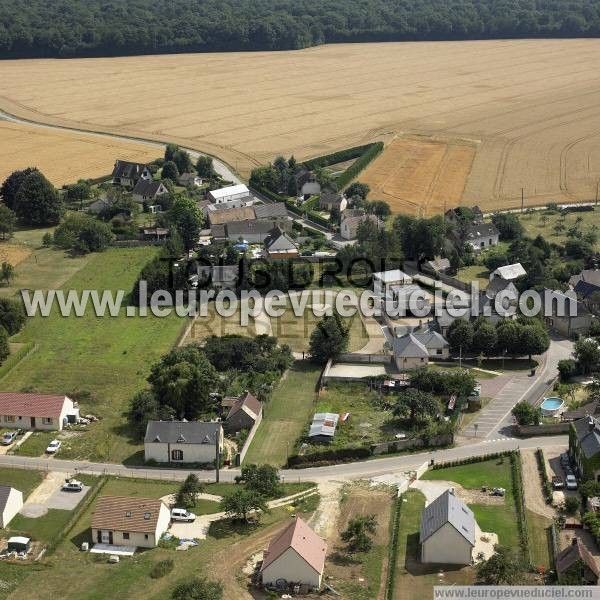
<point>528,108</point>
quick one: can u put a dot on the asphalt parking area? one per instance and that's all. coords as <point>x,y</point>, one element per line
<point>66,500</point>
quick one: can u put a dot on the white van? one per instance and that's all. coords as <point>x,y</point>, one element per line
<point>181,514</point>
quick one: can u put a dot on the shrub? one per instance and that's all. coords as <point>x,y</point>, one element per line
<point>162,568</point>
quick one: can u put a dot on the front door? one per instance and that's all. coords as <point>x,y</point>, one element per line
<point>32,422</point>
<point>107,537</point>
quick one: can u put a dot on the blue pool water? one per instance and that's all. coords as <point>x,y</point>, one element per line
<point>552,403</point>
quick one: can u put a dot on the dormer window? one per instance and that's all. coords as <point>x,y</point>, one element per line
<point>128,513</point>
<point>146,516</point>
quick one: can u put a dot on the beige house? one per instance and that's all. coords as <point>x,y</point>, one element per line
<point>37,411</point>
<point>130,522</point>
<point>183,442</point>
<point>448,530</point>
<point>11,502</point>
<point>294,557</point>
<point>409,353</point>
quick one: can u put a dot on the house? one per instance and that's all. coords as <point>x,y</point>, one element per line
<point>350,225</point>
<point>586,285</point>
<point>280,245</point>
<point>296,556</point>
<point>221,217</point>
<point>584,446</point>
<point>585,410</point>
<point>322,428</point>
<point>481,235</point>
<point>183,441</point>
<point>448,530</point>
<point>331,199</point>
<point>189,180</point>
<point>568,316</point>
<point>437,346</point>
<point>99,206</point>
<point>155,233</point>
<point>222,277</point>
<point>230,193</point>
<point>276,212</point>
<point>37,411</point>
<point>130,522</point>
<point>508,272</point>
<point>127,173</point>
<point>11,502</point>
<point>436,266</point>
<point>307,184</point>
<point>253,232</point>
<point>575,565</point>
<point>385,280</point>
<point>148,190</point>
<point>243,413</point>
<point>409,353</point>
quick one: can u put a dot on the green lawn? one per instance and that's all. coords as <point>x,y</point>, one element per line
<point>474,273</point>
<point>37,442</point>
<point>491,473</point>
<point>23,480</point>
<point>43,529</point>
<point>285,416</point>
<point>102,361</point>
<point>538,529</point>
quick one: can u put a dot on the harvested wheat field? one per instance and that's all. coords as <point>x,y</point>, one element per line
<point>419,176</point>
<point>64,157</point>
<point>531,106</point>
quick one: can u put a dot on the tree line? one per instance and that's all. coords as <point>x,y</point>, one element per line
<point>70,28</point>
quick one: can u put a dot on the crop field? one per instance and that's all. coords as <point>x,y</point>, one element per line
<point>531,109</point>
<point>64,157</point>
<point>419,176</point>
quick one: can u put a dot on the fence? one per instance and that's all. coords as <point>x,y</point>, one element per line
<point>549,429</point>
<point>239,459</point>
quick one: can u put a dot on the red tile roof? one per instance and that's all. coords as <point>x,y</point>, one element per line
<point>299,536</point>
<point>31,405</point>
<point>126,514</point>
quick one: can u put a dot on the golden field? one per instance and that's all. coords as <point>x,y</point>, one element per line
<point>530,108</point>
<point>64,157</point>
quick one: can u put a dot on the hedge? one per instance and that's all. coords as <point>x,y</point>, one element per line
<point>570,209</point>
<point>470,460</point>
<point>328,457</point>
<point>546,485</point>
<point>16,357</point>
<point>357,166</point>
<point>394,547</point>
<point>336,157</point>
<point>517,476</point>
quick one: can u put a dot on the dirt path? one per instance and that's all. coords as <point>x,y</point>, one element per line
<point>36,504</point>
<point>325,517</point>
<point>532,486</point>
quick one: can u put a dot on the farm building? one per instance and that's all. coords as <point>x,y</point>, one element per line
<point>127,173</point>
<point>384,280</point>
<point>244,411</point>
<point>37,411</point>
<point>148,190</point>
<point>183,441</point>
<point>323,426</point>
<point>509,272</point>
<point>448,530</point>
<point>229,194</point>
<point>294,557</point>
<point>129,522</point>
<point>11,502</point>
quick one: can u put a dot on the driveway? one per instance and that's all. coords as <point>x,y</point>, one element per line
<point>49,495</point>
<point>532,485</point>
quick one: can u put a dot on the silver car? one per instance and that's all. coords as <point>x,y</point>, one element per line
<point>8,438</point>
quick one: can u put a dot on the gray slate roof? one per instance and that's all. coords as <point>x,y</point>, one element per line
<point>447,508</point>
<point>130,170</point>
<point>182,432</point>
<point>409,346</point>
<point>269,211</point>
<point>147,188</point>
<point>432,340</point>
<point>479,230</point>
<point>588,434</point>
<point>237,228</point>
<point>4,493</point>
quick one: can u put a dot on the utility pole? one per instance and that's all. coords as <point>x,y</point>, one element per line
<point>597,185</point>
<point>522,199</point>
<point>218,454</point>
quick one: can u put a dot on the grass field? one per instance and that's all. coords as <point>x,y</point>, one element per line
<point>64,157</point>
<point>528,105</point>
<point>44,528</point>
<point>22,479</point>
<point>102,360</point>
<point>286,415</point>
<point>539,536</point>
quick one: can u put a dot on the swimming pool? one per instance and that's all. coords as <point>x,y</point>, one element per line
<point>552,407</point>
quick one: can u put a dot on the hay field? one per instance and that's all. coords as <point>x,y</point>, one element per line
<point>420,176</point>
<point>64,157</point>
<point>532,106</point>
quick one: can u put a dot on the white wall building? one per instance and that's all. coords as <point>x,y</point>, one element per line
<point>36,411</point>
<point>231,193</point>
<point>11,502</point>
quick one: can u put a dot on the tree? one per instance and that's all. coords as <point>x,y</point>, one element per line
<point>182,161</point>
<point>12,315</point>
<point>170,171</point>
<point>504,567</point>
<point>567,369</point>
<point>239,504</point>
<point>4,345</point>
<point>144,407</point>
<point>460,334</point>
<point>8,220</point>
<point>187,218</point>
<point>484,338</point>
<point>328,339</point>
<point>8,272</point>
<point>183,380</point>
<point>37,201</point>
<point>525,414</point>
<point>78,192</point>
<point>571,505</point>
<point>416,407</point>
<point>82,233</point>
<point>356,535</point>
<point>358,190</point>
<point>587,355</point>
<point>188,491</point>
<point>379,208</point>
<point>198,588</point>
<point>170,151</point>
<point>533,339</point>
<point>12,184</point>
<point>263,479</point>
<point>508,225</point>
<point>205,167</point>
<point>508,337</point>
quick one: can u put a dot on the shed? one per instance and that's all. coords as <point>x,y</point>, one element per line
<point>19,544</point>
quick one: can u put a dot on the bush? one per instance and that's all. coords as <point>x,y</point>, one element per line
<point>162,568</point>
<point>337,157</point>
<point>83,233</point>
<point>567,369</point>
<point>329,457</point>
<point>546,485</point>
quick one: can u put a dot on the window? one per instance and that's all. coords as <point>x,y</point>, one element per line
<point>145,536</point>
<point>176,454</point>
<point>128,513</point>
<point>146,516</point>
<point>490,241</point>
<point>439,351</point>
<point>125,535</point>
<point>422,359</point>
<point>46,421</point>
<point>9,419</point>
<point>482,244</point>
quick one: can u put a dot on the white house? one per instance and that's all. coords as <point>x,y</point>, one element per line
<point>130,522</point>
<point>183,441</point>
<point>437,346</point>
<point>280,245</point>
<point>11,502</point>
<point>37,411</point>
<point>295,556</point>
<point>231,193</point>
<point>384,280</point>
<point>448,530</point>
<point>481,235</point>
<point>509,272</point>
<point>189,180</point>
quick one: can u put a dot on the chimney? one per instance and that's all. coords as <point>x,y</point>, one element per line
<point>575,541</point>
<point>591,423</point>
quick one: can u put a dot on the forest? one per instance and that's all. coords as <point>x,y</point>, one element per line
<point>77,28</point>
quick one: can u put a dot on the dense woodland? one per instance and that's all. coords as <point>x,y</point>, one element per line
<point>66,28</point>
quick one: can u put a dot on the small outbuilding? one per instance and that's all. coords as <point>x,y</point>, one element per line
<point>576,564</point>
<point>19,544</point>
<point>243,413</point>
<point>11,502</point>
<point>323,426</point>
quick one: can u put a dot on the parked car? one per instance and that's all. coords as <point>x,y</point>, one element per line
<point>72,485</point>
<point>9,437</point>
<point>557,483</point>
<point>565,461</point>
<point>181,514</point>
<point>571,482</point>
<point>53,447</point>
<point>498,491</point>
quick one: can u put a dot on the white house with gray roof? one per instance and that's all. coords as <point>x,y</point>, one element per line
<point>11,502</point>
<point>436,344</point>
<point>409,353</point>
<point>183,441</point>
<point>448,531</point>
